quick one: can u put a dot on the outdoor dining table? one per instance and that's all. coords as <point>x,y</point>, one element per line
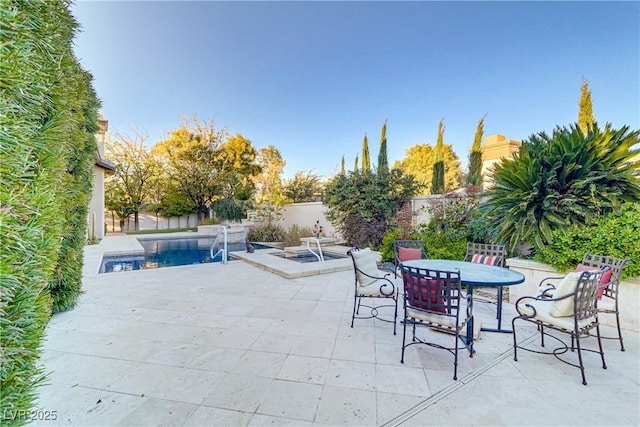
<point>474,274</point>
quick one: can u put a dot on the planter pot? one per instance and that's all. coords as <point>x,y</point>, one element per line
<point>534,272</point>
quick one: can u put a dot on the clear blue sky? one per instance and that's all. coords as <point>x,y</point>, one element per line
<point>312,77</point>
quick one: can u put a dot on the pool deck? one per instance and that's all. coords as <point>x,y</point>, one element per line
<point>236,345</point>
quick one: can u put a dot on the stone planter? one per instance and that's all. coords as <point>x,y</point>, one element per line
<point>534,272</point>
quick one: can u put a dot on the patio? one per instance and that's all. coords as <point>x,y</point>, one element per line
<point>215,344</point>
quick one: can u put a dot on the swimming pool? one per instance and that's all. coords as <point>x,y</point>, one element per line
<point>159,253</point>
<point>309,257</point>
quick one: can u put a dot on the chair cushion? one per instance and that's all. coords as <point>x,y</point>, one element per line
<point>406,254</point>
<point>414,297</point>
<point>446,320</point>
<point>375,288</point>
<point>564,307</point>
<point>543,314</point>
<point>366,263</point>
<point>606,277</point>
<point>484,259</point>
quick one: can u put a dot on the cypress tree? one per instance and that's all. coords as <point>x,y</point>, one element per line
<point>383,162</point>
<point>355,166</point>
<point>437,183</point>
<point>342,168</point>
<point>474,178</point>
<point>366,159</point>
<point>585,113</point>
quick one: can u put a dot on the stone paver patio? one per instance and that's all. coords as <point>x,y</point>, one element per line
<point>235,345</point>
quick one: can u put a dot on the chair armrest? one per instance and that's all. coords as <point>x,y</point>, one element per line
<point>524,303</point>
<point>385,279</point>
<point>546,287</point>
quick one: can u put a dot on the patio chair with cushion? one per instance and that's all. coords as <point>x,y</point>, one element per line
<point>572,310</point>
<point>489,254</point>
<point>486,253</point>
<point>609,286</point>
<point>372,283</point>
<point>433,298</point>
<point>405,250</point>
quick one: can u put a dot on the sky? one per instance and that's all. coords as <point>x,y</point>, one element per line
<point>313,77</point>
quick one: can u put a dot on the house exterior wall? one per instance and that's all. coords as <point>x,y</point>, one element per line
<point>95,216</point>
<point>495,148</point>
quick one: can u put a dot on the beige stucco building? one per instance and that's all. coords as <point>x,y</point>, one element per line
<point>95,218</point>
<point>494,148</point>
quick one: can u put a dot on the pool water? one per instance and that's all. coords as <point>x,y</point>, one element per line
<point>170,253</point>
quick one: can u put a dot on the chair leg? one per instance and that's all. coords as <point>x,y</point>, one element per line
<point>395,315</point>
<point>404,337</point>
<point>515,345</point>
<point>455,356</point>
<point>604,364</point>
<point>355,302</point>
<point>584,380</point>
<point>619,330</point>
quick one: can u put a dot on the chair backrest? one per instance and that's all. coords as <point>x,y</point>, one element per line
<point>486,253</point>
<point>364,266</point>
<point>615,264</point>
<point>434,291</point>
<point>585,301</point>
<point>405,250</point>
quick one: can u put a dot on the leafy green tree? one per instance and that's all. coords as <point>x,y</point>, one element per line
<point>269,197</point>
<point>303,187</point>
<point>383,155</point>
<point>419,160</point>
<point>193,158</point>
<point>437,182</point>
<point>362,207</point>
<point>136,168</point>
<point>366,158</point>
<point>563,179</point>
<point>585,113</point>
<point>474,177</point>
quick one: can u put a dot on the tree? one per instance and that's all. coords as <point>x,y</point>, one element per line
<point>366,159</point>
<point>437,182</point>
<point>269,197</point>
<point>585,113</point>
<point>342,168</point>
<point>563,179</point>
<point>193,158</point>
<point>419,161</point>
<point>383,162</point>
<point>135,169</point>
<point>474,177</point>
<point>355,165</point>
<point>304,187</point>
<point>363,208</point>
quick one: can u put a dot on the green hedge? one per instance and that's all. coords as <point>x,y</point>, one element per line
<point>49,114</point>
<point>617,235</point>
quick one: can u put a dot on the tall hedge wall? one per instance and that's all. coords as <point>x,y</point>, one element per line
<point>48,114</point>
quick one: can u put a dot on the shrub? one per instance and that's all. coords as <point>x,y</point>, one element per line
<point>616,234</point>
<point>49,114</point>
<point>266,233</point>
<point>294,233</point>
<point>568,178</point>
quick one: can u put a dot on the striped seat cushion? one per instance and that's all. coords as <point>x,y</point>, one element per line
<point>485,259</point>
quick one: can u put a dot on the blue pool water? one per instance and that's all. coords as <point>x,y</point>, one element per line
<point>170,253</point>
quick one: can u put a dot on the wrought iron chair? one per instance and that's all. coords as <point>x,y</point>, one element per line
<point>405,250</point>
<point>371,282</point>
<point>433,298</point>
<point>490,254</point>
<point>609,286</point>
<point>572,310</point>
<point>486,253</point>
